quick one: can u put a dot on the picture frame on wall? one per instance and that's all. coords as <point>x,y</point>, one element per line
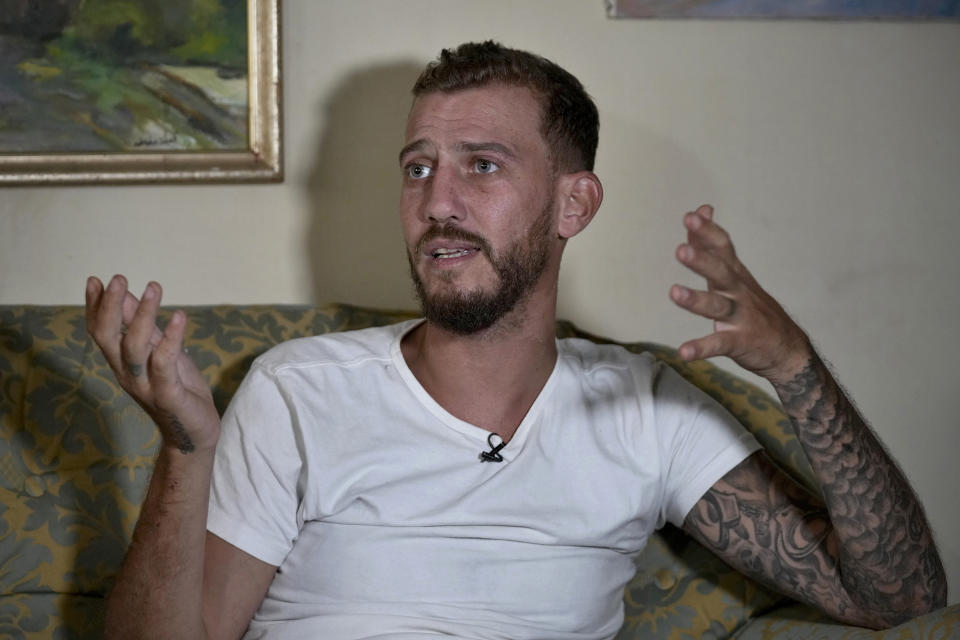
<point>792,9</point>
<point>140,91</point>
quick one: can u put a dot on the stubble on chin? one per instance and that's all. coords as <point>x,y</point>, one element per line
<point>518,268</point>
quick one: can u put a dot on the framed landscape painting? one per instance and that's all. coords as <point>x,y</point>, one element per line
<point>827,9</point>
<point>132,91</point>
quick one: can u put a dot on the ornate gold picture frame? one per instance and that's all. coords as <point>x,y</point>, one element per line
<point>181,123</point>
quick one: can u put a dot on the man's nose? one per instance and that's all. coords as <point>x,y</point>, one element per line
<point>444,196</point>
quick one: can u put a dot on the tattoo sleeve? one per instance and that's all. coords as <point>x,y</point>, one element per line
<point>864,553</point>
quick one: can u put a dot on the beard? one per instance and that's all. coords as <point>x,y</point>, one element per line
<point>518,267</point>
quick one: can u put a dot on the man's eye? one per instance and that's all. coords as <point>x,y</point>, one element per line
<point>418,171</point>
<point>486,166</point>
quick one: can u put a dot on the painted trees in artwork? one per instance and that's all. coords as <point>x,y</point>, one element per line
<point>196,31</point>
<point>104,75</point>
<point>36,20</point>
<point>185,31</point>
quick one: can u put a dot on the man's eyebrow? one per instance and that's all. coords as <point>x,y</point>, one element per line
<point>416,145</point>
<point>463,147</point>
<point>473,147</point>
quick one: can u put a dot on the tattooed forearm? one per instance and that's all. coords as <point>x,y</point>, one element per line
<point>768,527</point>
<point>181,439</point>
<point>885,551</point>
<point>863,553</point>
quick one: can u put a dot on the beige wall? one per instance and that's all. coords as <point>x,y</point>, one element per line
<point>832,153</point>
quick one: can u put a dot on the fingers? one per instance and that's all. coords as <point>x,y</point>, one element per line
<point>130,306</point>
<point>122,326</point>
<point>142,334</point>
<point>104,316</point>
<point>704,303</point>
<point>718,272</point>
<point>715,344</point>
<point>704,233</point>
<point>93,295</point>
<point>163,363</point>
<point>709,253</point>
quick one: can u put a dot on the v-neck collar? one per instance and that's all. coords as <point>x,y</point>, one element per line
<point>477,435</point>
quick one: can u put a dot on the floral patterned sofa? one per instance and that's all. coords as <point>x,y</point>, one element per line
<point>76,455</point>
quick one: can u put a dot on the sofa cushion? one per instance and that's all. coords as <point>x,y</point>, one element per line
<point>51,616</point>
<point>76,456</point>
<point>681,590</point>
<point>797,622</point>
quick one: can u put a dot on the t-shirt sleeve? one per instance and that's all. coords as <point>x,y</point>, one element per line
<point>700,442</point>
<point>254,494</point>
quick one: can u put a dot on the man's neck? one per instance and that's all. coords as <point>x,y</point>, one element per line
<point>491,378</point>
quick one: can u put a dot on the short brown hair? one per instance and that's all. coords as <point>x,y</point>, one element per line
<point>569,121</point>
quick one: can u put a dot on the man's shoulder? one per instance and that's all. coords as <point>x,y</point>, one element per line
<point>603,366</point>
<point>343,348</point>
<point>587,355</point>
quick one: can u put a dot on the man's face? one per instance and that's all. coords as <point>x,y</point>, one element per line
<point>477,203</point>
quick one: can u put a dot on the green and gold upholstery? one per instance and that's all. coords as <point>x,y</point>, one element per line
<point>76,455</point>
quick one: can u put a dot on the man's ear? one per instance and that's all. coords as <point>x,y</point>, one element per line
<point>580,196</point>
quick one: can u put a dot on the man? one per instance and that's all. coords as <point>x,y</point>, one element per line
<point>348,499</point>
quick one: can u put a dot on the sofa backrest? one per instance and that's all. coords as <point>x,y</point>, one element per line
<point>76,454</point>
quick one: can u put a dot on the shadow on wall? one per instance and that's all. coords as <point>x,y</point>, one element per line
<point>355,245</point>
<point>616,275</point>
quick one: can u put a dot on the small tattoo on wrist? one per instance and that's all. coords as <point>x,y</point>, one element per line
<point>180,436</point>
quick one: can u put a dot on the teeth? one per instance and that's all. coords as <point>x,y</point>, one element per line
<point>450,253</point>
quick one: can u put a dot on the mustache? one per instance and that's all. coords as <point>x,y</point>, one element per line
<point>450,231</point>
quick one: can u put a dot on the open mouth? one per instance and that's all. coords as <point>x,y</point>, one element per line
<point>446,254</point>
<point>450,244</point>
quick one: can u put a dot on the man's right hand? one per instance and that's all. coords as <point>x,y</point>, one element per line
<point>151,364</point>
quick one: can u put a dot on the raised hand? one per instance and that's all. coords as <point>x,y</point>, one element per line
<point>749,326</point>
<point>150,364</point>
<point>880,574</point>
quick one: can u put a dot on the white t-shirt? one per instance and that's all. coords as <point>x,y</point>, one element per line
<point>336,465</point>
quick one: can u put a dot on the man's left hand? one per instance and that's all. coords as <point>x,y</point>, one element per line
<point>749,326</point>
